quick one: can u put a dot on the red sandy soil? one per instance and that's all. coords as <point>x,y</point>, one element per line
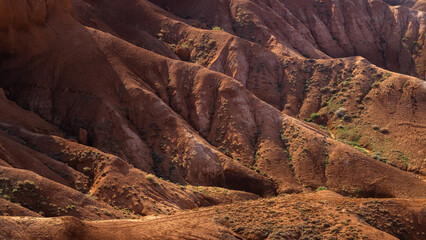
<point>324,215</point>
<point>237,109</point>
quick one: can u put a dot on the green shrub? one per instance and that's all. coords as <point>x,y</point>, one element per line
<point>313,116</point>
<point>70,207</point>
<point>160,36</point>
<point>217,28</point>
<point>151,178</point>
<point>320,188</point>
<point>325,90</point>
<point>375,85</point>
<point>91,196</point>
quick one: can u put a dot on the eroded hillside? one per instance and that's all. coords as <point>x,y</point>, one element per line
<point>130,109</point>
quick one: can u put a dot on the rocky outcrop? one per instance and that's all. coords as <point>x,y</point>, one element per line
<point>182,53</point>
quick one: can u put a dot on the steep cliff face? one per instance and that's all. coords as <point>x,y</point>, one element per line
<point>251,108</point>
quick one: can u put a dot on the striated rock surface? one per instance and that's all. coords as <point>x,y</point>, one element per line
<point>224,102</point>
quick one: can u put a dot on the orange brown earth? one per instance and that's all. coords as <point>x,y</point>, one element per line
<point>230,119</point>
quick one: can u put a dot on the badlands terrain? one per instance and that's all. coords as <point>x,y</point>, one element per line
<point>212,119</point>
